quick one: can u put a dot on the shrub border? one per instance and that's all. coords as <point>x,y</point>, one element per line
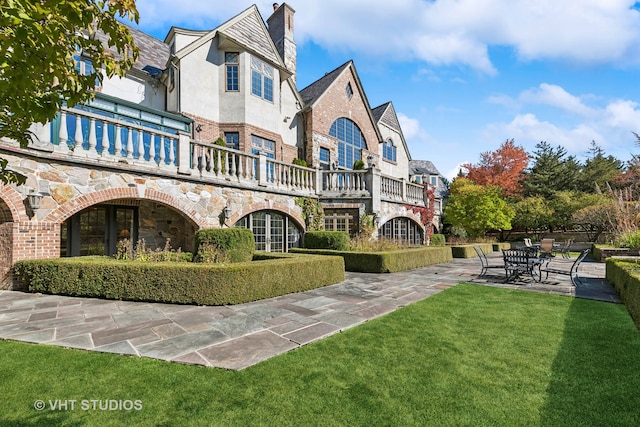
<point>624,275</point>
<point>387,261</point>
<point>467,251</point>
<point>183,283</point>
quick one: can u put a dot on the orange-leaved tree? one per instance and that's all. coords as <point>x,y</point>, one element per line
<point>502,168</point>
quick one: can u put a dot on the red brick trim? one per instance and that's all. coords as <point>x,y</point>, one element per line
<point>82,202</point>
<point>14,202</point>
<point>268,206</point>
<point>412,216</point>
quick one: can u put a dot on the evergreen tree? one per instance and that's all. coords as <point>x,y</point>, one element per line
<point>598,169</point>
<point>552,170</point>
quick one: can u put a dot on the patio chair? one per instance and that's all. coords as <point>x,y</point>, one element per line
<point>546,248</point>
<point>572,272</point>
<point>483,260</point>
<point>564,250</point>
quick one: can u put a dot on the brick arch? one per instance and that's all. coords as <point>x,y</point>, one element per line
<point>13,208</point>
<point>268,206</point>
<point>79,203</point>
<point>410,215</point>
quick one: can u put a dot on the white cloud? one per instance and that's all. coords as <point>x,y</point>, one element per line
<point>528,130</point>
<point>440,32</point>
<point>556,96</point>
<point>412,129</point>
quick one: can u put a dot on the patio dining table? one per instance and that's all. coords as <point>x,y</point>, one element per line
<point>519,261</point>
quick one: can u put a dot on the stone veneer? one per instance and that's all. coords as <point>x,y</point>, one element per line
<point>171,207</point>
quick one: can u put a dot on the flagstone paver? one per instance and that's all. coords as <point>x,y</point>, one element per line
<point>236,337</point>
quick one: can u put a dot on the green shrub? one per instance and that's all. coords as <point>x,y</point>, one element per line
<point>624,275</point>
<point>230,244</point>
<point>629,240</point>
<point>387,261</point>
<point>335,240</point>
<point>299,162</point>
<point>467,251</point>
<point>438,240</point>
<point>498,247</point>
<point>184,283</point>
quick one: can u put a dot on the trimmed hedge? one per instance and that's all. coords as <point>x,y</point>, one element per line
<point>238,243</point>
<point>335,240</point>
<point>388,261</point>
<point>467,251</point>
<point>438,240</point>
<point>624,275</point>
<point>498,247</point>
<point>184,283</point>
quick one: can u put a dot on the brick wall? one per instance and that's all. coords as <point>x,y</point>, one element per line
<point>335,104</point>
<point>6,254</point>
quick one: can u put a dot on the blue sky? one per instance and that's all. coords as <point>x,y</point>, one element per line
<point>466,75</point>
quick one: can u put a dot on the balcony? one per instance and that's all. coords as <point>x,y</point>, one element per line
<point>108,132</point>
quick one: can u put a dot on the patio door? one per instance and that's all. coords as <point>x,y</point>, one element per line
<point>273,231</point>
<point>97,230</point>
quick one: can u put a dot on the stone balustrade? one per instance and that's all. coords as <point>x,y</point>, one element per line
<point>156,143</point>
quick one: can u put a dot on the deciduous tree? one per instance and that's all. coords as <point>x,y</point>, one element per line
<point>477,208</point>
<point>502,168</point>
<point>38,41</point>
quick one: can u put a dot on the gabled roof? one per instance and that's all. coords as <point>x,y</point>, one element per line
<point>246,29</point>
<point>154,53</point>
<point>423,167</point>
<point>385,114</point>
<point>314,92</point>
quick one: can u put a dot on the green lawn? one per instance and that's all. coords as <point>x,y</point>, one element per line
<point>470,355</point>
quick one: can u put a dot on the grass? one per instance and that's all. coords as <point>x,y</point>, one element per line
<point>470,355</point>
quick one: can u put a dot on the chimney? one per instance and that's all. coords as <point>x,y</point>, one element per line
<point>281,32</point>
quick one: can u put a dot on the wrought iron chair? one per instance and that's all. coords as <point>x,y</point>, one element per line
<point>483,260</point>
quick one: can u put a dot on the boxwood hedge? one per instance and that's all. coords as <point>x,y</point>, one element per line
<point>624,275</point>
<point>186,283</point>
<point>388,261</point>
<point>335,240</point>
<point>237,243</point>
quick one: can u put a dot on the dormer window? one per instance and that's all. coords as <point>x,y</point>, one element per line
<point>349,90</point>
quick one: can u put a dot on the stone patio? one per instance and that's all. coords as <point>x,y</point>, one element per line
<point>236,337</point>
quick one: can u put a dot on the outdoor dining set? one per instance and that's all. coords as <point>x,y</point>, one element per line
<point>536,259</point>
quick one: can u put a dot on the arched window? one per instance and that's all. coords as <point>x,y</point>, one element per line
<point>273,231</point>
<point>389,151</point>
<point>403,230</point>
<point>350,141</point>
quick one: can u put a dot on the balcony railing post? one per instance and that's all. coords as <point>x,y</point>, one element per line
<point>184,150</point>
<point>373,180</point>
<point>319,180</point>
<point>262,169</point>
<point>403,189</point>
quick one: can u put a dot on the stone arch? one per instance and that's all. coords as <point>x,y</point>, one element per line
<point>82,202</point>
<point>412,216</point>
<point>12,208</point>
<point>270,206</point>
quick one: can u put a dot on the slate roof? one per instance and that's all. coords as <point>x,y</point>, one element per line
<point>418,167</point>
<point>386,114</point>
<point>312,92</point>
<point>154,53</point>
<point>250,31</point>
